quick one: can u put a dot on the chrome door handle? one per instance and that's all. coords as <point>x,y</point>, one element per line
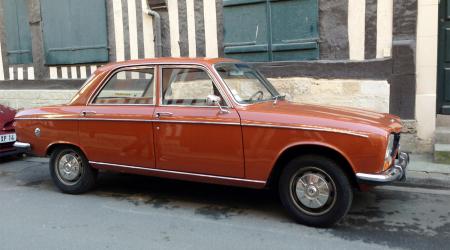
<point>159,114</point>
<point>87,112</point>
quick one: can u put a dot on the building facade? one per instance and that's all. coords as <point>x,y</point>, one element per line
<point>380,55</point>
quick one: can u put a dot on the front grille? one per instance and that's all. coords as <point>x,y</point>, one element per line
<point>396,144</point>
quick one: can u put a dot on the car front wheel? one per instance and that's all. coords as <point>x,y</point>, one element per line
<point>70,170</point>
<point>315,190</point>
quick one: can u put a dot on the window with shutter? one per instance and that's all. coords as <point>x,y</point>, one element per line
<point>74,31</point>
<point>18,37</point>
<point>271,30</point>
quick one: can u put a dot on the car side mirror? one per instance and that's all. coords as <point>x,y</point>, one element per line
<point>213,100</point>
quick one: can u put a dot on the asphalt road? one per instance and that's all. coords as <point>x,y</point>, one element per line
<point>135,212</point>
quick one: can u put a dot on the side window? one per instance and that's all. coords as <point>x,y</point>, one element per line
<point>188,86</point>
<point>128,87</point>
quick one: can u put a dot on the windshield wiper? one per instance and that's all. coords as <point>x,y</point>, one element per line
<point>275,98</point>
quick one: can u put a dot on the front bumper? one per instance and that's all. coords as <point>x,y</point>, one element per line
<point>395,173</point>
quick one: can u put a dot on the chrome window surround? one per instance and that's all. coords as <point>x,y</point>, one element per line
<point>228,90</point>
<point>101,86</point>
<point>192,66</point>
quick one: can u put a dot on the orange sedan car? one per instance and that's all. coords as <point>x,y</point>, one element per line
<point>216,121</point>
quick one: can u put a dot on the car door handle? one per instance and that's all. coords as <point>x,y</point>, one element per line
<point>159,114</point>
<point>88,112</point>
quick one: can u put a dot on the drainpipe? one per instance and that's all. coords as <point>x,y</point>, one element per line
<point>156,28</point>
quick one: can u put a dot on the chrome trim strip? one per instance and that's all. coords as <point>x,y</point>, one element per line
<point>47,119</point>
<point>194,106</point>
<point>86,119</point>
<point>199,122</point>
<point>112,104</point>
<point>114,120</point>
<point>320,129</point>
<point>178,172</point>
<point>134,120</point>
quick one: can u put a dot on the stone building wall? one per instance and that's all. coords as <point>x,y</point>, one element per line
<point>22,99</point>
<point>367,94</point>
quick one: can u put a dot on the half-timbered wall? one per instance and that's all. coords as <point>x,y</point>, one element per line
<point>347,30</point>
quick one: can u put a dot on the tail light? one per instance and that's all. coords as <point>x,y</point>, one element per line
<point>9,125</point>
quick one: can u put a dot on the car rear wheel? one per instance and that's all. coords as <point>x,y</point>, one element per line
<point>315,190</point>
<point>70,170</point>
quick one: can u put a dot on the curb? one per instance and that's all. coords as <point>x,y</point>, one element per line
<point>425,180</point>
<point>422,171</point>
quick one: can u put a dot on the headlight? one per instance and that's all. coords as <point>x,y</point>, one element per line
<point>389,149</point>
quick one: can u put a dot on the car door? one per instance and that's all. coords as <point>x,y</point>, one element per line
<point>116,126</point>
<point>190,135</point>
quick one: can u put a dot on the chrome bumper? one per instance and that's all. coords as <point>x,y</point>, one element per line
<point>22,147</point>
<point>395,173</point>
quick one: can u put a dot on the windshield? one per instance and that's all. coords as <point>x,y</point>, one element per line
<point>245,83</point>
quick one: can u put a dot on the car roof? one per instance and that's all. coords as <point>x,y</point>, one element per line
<point>166,60</point>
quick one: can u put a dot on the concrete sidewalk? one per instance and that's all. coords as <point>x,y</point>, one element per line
<point>423,172</point>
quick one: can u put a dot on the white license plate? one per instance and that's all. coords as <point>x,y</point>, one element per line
<point>7,138</point>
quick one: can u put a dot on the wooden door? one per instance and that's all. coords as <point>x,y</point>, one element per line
<point>443,87</point>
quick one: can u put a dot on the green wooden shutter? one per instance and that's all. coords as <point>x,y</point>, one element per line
<point>246,30</point>
<point>294,30</point>
<point>18,37</point>
<point>271,30</point>
<point>74,31</point>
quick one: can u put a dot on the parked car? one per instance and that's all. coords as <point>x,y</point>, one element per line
<point>216,121</point>
<point>7,133</point>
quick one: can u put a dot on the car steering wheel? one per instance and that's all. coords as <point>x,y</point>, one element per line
<point>255,94</point>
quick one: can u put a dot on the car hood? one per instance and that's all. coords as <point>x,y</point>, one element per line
<point>6,116</point>
<point>290,114</point>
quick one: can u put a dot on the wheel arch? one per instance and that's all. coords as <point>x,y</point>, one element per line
<point>325,150</point>
<point>53,146</point>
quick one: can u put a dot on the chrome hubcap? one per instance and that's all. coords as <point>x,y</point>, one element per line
<point>69,168</point>
<point>312,190</point>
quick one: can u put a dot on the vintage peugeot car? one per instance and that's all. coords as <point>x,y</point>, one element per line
<point>216,121</point>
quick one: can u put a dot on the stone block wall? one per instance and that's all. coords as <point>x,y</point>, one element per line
<point>22,99</point>
<point>366,94</point>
